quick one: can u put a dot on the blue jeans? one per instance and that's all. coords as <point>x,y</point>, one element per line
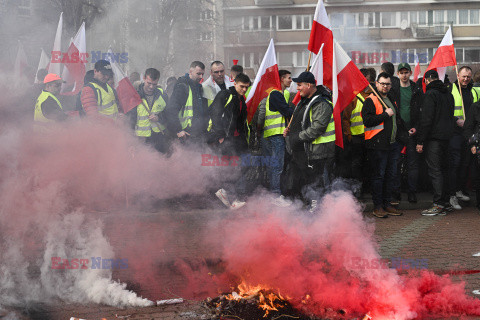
<point>274,147</point>
<point>384,164</point>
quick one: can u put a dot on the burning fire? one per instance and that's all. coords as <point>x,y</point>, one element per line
<point>268,300</point>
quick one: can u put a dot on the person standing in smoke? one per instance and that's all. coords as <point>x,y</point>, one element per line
<point>147,118</point>
<point>311,140</point>
<point>98,97</point>
<point>48,108</point>
<point>187,109</point>
<point>385,134</point>
<point>229,132</point>
<point>216,82</point>
<point>435,129</point>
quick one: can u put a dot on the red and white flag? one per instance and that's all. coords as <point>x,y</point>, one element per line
<point>444,56</point>
<point>416,71</point>
<point>347,82</point>
<point>42,64</point>
<point>57,47</point>
<point>127,95</point>
<point>75,64</point>
<point>266,80</point>
<point>316,70</point>
<point>322,34</point>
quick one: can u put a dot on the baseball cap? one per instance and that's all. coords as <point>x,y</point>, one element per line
<point>431,74</point>
<point>51,77</point>
<point>103,66</point>
<point>305,76</point>
<point>404,65</point>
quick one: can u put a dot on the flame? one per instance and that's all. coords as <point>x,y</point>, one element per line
<point>268,299</point>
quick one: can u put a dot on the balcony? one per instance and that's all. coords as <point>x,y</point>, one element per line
<point>249,37</point>
<point>426,32</point>
<point>272,2</point>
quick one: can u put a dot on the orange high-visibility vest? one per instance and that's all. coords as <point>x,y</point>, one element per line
<point>370,132</point>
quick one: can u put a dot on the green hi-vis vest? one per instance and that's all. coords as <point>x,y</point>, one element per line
<point>356,120</point>
<point>329,134</point>
<point>40,121</point>
<point>210,123</point>
<point>186,114</point>
<point>458,100</point>
<point>144,126</point>
<point>106,102</point>
<point>274,121</point>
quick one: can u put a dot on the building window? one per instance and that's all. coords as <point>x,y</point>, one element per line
<point>265,23</point>
<point>285,59</point>
<point>462,16</point>
<point>459,54</point>
<point>389,19</point>
<point>474,16</point>
<point>422,55</point>
<point>472,55</point>
<point>206,15</point>
<point>24,8</point>
<point>205,36</point>
<point>303,22</point>
<point>422,18</point>
<point>452,16</point>
<point>439,16</point>
<point>336,20</point>
<point>284,22</point>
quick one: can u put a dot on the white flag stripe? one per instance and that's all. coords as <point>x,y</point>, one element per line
<point>321,15</point>
<point>269,60</point>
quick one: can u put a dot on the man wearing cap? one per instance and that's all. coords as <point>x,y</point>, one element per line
<point>48,108</point>
<point>311,140</point>
<point>434,131</point>
<point>409,100</point>
<point>385,134</point>
<point>98,97</point>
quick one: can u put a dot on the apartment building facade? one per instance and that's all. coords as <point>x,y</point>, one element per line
<point>371,31</point>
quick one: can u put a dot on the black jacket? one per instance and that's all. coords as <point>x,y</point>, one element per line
<point>177,103</point>
<point>228,118</point>
<point>472,123</point>
<point>437,121</point>
<point>415,102</point>
<point>381,141</point>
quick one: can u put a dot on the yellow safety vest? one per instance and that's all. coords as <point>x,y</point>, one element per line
<point>329,134</point>
<point>40,121</point>
<point>144,126</point>
<point>106,102</point>
<point>274,121</point>
<point>356,120</point>
<point>210,123</point>
<point>458,100</point>
<point>186,115</point>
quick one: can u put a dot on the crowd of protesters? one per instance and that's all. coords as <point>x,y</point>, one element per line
<point>391,131</point>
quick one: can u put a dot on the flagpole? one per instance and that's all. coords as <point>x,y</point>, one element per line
<point>461,95</point>
<point>378,96</point>
<point>308,63</point>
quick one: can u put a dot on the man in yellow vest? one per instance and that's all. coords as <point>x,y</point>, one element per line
<point>460,157</point>
<point>187,110</point>
<point>273,116</point>
<point>351,161</point>
<point>98,97</point>
<point>48,108</point>
<point>310,141</point>
<point>147,118</point>
<point>385,135</point>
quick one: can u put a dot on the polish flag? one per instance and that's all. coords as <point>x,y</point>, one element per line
<point>20,65</point>
<point>416,71</point>
<point>57,47</point>
<point>42,64</point>
<point>316,70</point>
<point>444,56</point>
<point>266,80</point>
<point>347,82</point>
<point>75,66</point>
<point>322,34</point>
<point>127,95</point>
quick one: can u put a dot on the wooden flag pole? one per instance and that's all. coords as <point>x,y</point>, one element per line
<point>461,95</point>
<point>378,96</point>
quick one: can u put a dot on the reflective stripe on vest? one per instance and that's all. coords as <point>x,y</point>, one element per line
<point>106,102</point>
<point>38,115</point>
<point>144,126</point>
<point>370,132</point>
<point>186,115</point>
<point>210,123</point>
<point>274,121</point>
<point>458,100</point>
<point>356,120</point>
<point>329,134</point>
